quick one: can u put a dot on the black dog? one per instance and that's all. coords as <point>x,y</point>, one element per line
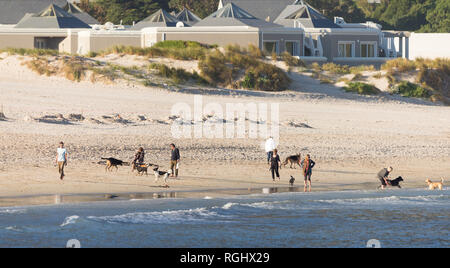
<point>291,181</point>
<point>113,162</point>
<point>394,183</point>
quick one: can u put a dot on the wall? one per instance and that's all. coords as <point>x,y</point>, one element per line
<point>330,43</point>
<point>97,42</point>
<point>16,41</point>
<point>424,45</point>
<point>219,38</point>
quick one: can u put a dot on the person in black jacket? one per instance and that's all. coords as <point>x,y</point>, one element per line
<point>174,160</point>
<point>275,163</point>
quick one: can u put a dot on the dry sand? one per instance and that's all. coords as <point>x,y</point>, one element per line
<point>351,139</point>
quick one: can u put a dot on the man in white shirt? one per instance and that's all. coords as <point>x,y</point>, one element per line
<point>61,159</point>
<point>270,146</point>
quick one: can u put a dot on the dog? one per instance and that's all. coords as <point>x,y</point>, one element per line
<point>394,183</point>
<point>435,185</point>
<point>293,160</point>
<point>292,181</point>
<point>113,162</point>
<point>161,174</point>
<point>141,168</point>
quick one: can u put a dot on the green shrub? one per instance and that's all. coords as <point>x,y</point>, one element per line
<point>407,89</point>
<point>292,61</point>
<point>336,68</point>
<point>215,70</point>
<point>361,88</point>
<point>30,52</point>
<point>361,68</point>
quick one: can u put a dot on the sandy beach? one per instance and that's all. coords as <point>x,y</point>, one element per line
<point>350,137</point>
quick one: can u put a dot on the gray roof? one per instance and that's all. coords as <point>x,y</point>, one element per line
<point>233,15</point>
<point>12,11</point>
<point>51,17</point>
<point>160,18</point>
<point>188,17</point>
<point>306,15</point>
<point>79,13</point>
<point>267,10</point>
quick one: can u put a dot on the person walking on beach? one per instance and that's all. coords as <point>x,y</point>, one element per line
<point>61,159</point>
<point>307,166</point>
<point>275,163</point>
<point>139,157</point>
<point>270,146</point>
<point>174,160</point>
<point>383,176</point>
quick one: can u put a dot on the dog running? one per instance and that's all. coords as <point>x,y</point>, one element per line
<point>113,163</point>
<point>161,174</point>
<point>293,160</point>
<point>435,185</point>
<point>394,183</point>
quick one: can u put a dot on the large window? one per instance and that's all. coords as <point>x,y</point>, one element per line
<point>346,49</point>
<point>292,48</point>
<point>271,47</point>
<point>368,50</point>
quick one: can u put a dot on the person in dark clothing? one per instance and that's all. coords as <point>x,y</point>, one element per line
<point>275,163</point>
<point>383,176</point>
<point>139,157</point>
<point>307,166</point>
<point>174,160</point>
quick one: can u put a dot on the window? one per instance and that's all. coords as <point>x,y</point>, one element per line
<point>368,50</point>
<point>346,49</point>
<point>292,48</point>
<point>271,47</point>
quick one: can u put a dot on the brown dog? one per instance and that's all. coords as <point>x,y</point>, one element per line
<point>435,185</point>
<point>293,160</point>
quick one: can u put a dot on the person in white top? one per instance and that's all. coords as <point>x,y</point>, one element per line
<point>270,146</point>
<point>61,159</point>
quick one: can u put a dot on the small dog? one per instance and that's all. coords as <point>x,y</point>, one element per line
<point>161,174</point>
<point>141,169</point>
<point>394,183</point>
<point>113,162</point>
<point>292,181</point>
<point>293,160</point>
<point>435,185</point>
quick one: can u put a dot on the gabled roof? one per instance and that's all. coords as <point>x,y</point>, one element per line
<point>233,15</point>
<point>188,17</point>
<point>160,18</point>
<point>51,17</point>
<point>79,13</point>
<point>12,11</point>
<point>267,10</point>
<point>306,15</point>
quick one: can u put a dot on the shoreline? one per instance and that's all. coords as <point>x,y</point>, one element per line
<point>78,198</point>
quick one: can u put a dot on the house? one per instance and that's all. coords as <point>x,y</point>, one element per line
<point>324,39</point>
<point>232,25</point>
<point>51,28</point>
<point>12,11</point>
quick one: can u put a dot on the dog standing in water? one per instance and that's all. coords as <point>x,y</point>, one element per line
<point>435,185</point>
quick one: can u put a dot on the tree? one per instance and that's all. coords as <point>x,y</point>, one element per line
<point>201,8</point>
<point>438,18</point>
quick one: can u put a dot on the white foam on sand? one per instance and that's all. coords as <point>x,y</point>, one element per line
<point>70,220</point>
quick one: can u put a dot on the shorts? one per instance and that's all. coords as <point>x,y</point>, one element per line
<point>308,177</point>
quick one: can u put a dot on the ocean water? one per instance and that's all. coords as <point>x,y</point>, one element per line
<point>397,218</point>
